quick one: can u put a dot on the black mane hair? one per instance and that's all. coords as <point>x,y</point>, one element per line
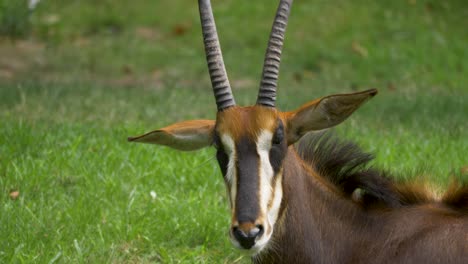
<point>347,167</point>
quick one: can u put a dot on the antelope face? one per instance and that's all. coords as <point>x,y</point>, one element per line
<point>251,144</point>
<point>250,147</point>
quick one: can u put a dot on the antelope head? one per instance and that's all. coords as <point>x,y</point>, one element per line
<point>252,141</point>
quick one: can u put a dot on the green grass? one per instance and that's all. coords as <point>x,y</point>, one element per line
<point>92,74</point>
<point>14,18</point>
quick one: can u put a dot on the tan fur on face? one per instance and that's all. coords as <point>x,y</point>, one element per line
<point>246,121</point>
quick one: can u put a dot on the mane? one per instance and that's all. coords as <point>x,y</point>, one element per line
<point>456,197</point>
<point>346,166</point>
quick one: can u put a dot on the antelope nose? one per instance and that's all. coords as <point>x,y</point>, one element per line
<point>246,235</point>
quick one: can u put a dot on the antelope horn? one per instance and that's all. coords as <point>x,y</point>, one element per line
<point>268,84</point>
<point>219,80</point>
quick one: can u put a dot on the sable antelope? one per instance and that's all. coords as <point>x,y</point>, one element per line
<point>317,202</point>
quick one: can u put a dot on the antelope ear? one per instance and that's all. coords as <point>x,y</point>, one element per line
<point>186,135</point>
<point>323,113</point>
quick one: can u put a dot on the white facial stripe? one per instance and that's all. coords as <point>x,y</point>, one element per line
<point>271,196</point>
<point>230,149</point>
<point>276,203</point>
<point>266,170</point>
<point>272,215</point>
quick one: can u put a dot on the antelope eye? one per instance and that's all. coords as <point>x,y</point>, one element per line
<point>217,142</point>
<point>277,139</point>
<point>279,134</point>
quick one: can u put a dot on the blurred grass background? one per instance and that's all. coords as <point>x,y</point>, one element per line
<point>78,77</point>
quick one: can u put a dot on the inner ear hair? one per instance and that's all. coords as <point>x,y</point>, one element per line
<point>185,135</point>
<point>324,113</point>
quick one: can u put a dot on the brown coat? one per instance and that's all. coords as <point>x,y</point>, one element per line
<point>321,223</point>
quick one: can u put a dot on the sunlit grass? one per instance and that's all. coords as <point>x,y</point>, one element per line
<point>85,193</point>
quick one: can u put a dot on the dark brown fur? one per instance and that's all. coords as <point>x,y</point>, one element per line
<point>321,222</point>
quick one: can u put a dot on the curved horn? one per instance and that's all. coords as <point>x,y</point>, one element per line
<point>267,92</point>
<point>219,80</point>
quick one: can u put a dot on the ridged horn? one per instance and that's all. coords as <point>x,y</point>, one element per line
<point>269,81</point>
<point>219,80</point>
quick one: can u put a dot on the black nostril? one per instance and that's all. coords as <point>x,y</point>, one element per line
<point>259,231</point>
<point>238,233</point>
<point>247,238</point>
<point>256,231</point>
